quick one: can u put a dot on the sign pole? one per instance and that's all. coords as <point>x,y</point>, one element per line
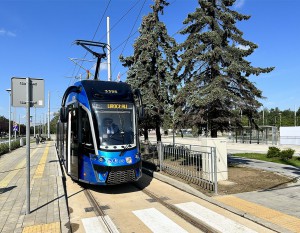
<point>28,94</point>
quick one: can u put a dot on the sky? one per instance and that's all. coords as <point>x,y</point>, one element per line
<point>36,41</point>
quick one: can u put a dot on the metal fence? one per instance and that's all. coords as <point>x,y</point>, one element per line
<point>194,163</point>
<point>264,135</point>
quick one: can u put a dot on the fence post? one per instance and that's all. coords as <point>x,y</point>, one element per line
<point>214,155</point>
<point>146,144</point>
<point>160,154</point>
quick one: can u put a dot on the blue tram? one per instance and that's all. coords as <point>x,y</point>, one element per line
<point>97,134</point>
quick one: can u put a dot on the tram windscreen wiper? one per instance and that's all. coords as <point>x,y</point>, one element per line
<point>126,147</point>
<point>122,127</point>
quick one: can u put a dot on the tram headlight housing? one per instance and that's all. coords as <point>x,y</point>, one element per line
<point>101,159</point>
<point>102,176</point>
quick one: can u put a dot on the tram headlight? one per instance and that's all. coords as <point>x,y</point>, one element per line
<point>101,159</point>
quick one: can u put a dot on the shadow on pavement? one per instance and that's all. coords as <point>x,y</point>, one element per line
<point>4,190</point>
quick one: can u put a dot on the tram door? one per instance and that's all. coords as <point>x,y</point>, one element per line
<point>73,143</point>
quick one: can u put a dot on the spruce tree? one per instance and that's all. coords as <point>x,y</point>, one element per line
<point>213,67</point>
<point>151,68</point>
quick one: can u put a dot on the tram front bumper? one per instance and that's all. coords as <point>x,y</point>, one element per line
<point>118,174</point>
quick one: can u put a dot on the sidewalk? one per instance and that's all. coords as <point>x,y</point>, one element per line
<point>48,207</point>
<point>278,206</point>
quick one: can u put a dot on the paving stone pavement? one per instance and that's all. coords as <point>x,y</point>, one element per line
<point>48,207</point>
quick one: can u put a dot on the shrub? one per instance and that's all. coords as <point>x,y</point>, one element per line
<point>4,148</point>
<point>273,152</point>
<point>15,144</point>
<point>287,154</point>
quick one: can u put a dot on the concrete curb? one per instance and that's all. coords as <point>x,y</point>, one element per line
<point>190,190</point>
<point>63,205</point>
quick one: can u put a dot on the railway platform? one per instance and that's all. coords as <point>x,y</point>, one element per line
<point>48,206</point>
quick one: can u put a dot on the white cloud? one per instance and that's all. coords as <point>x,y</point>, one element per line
<point>239,3</point>
<point>4,32</point>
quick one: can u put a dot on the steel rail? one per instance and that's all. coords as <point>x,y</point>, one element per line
<point>97,208</point>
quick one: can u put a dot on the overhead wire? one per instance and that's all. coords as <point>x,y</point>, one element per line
<point>128,11</point>
<point>133,6</point>
<point>126,41</point>
<point>92,38</point>
<point>131,34</point>
<point>133,26</point>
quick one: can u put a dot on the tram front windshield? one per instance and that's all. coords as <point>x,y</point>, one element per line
<point>116,125</point>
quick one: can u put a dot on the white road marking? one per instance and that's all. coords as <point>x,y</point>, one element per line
<point>96,225</point>
<point>157,222</point>
<point>213,219</point>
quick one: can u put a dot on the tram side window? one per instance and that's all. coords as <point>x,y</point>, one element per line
<point>86,129</point>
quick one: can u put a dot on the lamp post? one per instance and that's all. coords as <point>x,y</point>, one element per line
<point>263,112</point>
<point>15,124</point>
<point>280,119</point>
<point>48,115</point>
<point>34,122</point>
<point>9,120</point>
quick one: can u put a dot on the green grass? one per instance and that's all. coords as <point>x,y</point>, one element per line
<point>295,161</point>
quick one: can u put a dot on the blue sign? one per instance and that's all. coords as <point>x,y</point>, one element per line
<point>15,128</point>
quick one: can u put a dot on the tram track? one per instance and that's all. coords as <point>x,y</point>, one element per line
<point>96,206</point>
<point>98,210</point>
<point>190,219</point>
<point>150,205</point>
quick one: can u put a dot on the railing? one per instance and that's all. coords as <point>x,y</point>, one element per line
<point>194,163</point>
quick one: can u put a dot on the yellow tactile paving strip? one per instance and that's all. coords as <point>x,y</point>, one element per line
<point>41,167</point>
<point>43,228</point>
<point>4,182</point>
<point>286,221</point>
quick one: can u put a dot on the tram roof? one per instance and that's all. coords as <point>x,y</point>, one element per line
<point>106,90</point>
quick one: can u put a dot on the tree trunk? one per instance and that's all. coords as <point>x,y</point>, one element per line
<point>214,133</point>
<point>157,129</point>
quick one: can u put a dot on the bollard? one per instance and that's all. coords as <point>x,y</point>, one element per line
<point>160,154</point>
<point>21,142</point>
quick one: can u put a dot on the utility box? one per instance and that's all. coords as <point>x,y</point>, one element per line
<point>221,152</point>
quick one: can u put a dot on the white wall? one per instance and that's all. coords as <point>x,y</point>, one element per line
<point>289,135</point>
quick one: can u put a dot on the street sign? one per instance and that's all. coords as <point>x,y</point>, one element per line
<point>19,90</point>
<point>15,128</point>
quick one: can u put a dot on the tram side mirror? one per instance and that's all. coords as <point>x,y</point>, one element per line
<point>63,115</point>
